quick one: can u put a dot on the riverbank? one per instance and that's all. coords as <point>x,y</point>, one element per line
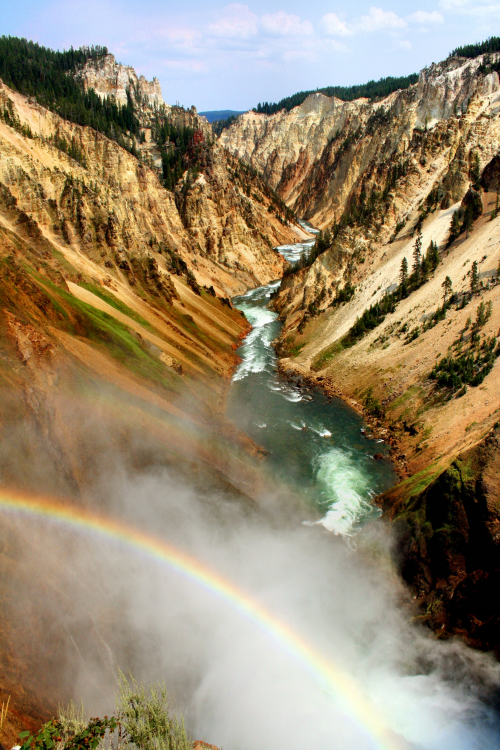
<point>379,428</point>
<point>317,446</point>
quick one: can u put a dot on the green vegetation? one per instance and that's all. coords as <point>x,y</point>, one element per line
<point>49,76</point>
<point>221,125</point>
<point>192,283</point>
<point>418,482</point>
<point>53,732</point>
<point>464,218</point>
<point>328,353</point>
<point>372,405</point>
<point>489,66</point>
<point>480,48</point>
<point>71,148</point>
<point>376,313</point>
<point>117,304</point>
<point>412,391</point>
<point>344,295</point>
<point>8,115</point>
<point>113,337</point>
<point>372,90</point>
<point>462,368</point>
<point>143,720</point>
<point>173,142</point>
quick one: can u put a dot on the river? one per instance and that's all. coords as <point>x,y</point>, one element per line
<point>316,444</point>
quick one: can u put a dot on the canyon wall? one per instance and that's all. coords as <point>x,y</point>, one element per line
<point>321,154</point>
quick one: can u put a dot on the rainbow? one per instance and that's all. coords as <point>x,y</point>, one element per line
<point>357,706</point>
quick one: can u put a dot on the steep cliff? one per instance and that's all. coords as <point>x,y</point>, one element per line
<point>109,78</point>
<point>83,189</point>
<point>448,547</point>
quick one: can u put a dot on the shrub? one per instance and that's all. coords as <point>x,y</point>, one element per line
<point>372,405</point>
<point>145,717</point>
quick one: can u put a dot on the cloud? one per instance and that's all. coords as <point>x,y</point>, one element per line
<point>334,26</point>
<point>292,55</point>
<point>285,24</point>
<point>424,17</point>
<point>378,20</point>
<point>236,21</point>
<point>404,44</point>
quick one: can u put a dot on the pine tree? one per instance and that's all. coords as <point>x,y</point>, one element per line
<point>481,315</point>
<point>475,172</point>
<point>433,255</point>
<point>403,276</point>
<point>447,286</point>
<point>474,277</point>
<point>425,267</point>
<point>454,227</point>
<point>489,309</point>
<point>417,256</point>
<point>468,219</point>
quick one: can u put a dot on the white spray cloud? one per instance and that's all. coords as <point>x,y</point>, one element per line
<point>237,685</point>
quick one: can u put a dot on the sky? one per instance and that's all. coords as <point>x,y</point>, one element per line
<point>217,55</point>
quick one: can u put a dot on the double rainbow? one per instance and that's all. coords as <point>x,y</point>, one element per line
<point>334,679</point>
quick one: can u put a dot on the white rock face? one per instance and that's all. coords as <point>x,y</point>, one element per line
<point>316,154</point>
<point>109,78</point>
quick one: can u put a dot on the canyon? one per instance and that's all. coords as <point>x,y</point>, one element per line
<point>118,334</point>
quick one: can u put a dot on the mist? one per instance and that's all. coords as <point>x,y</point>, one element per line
<point>105,606</point>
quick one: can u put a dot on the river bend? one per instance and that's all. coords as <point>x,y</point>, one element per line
<point>316,444</point>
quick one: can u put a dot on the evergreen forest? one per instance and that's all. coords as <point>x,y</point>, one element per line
<point>480,48</point>
<point>49,76</point>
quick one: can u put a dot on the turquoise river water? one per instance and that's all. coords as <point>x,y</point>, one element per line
<point>316,444</point>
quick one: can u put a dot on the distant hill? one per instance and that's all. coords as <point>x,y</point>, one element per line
<point>220,114</point>
<point>372,90</point>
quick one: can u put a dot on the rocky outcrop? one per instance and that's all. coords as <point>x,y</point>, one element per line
<point>109,78</point>
<point>417,151</point>
<point>449,545</point>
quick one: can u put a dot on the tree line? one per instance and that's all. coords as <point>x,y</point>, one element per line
<point>372,90</point>
<point>49,76</point>
<point>479,48</point>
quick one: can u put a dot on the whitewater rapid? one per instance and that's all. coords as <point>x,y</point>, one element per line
<point>315,444</point>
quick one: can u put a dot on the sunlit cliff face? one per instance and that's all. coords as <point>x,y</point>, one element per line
<point>108,605</point>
